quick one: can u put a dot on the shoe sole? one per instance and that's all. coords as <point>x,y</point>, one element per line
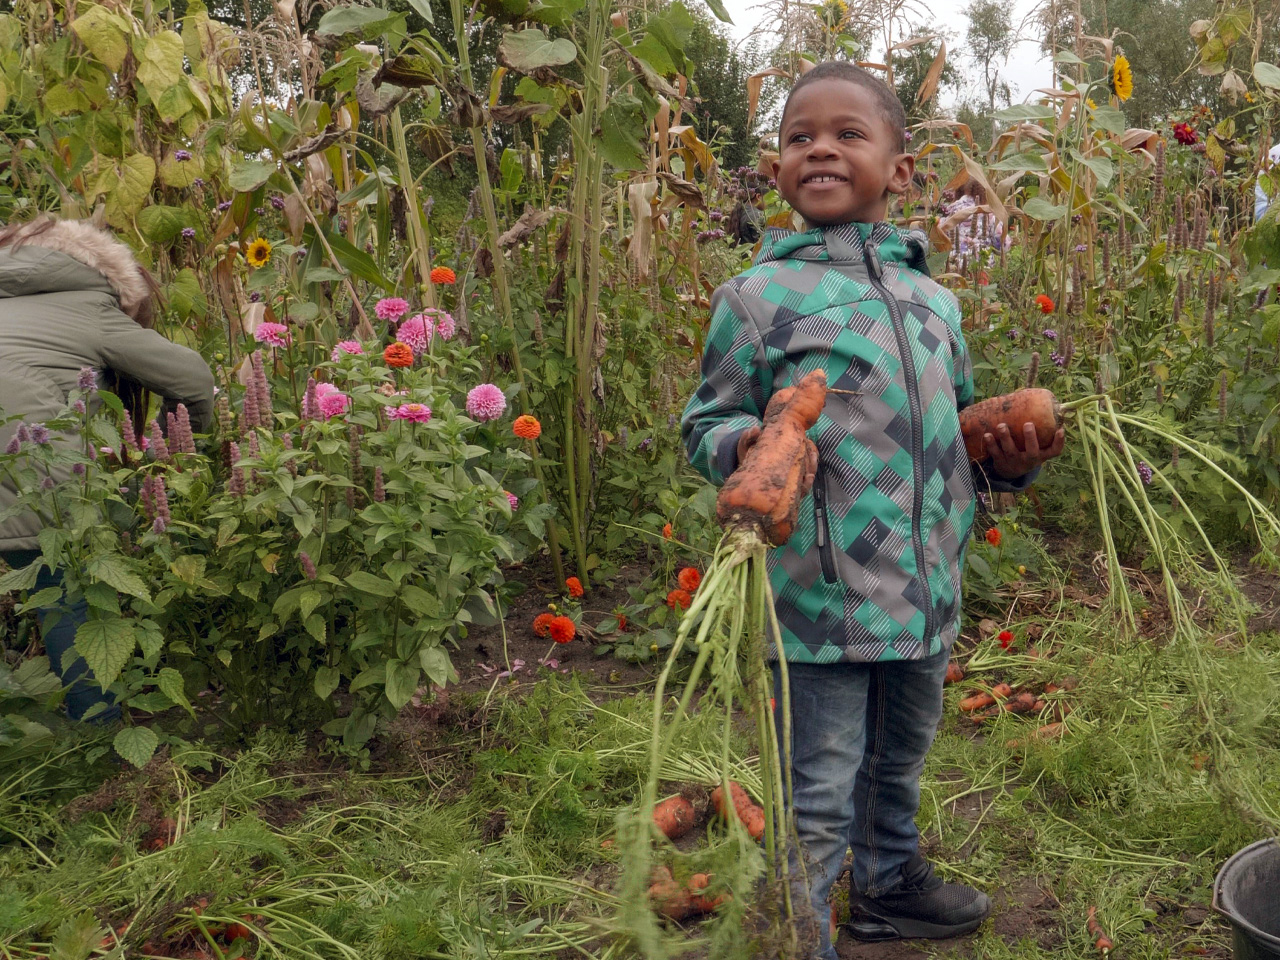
<point>879,929</point>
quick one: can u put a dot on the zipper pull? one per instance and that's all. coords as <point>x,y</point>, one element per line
<point>820,514</point>
<point>871,255</point>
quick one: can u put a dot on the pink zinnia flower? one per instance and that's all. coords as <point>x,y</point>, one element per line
<point>324,389</point>
<point>513,500</point>
<point>416,332</point>
<point>272,334</point>
<point>413,412</point>
<point>391,308</point>
<point>486,402</point>
<point>333,404</point>
<point>445,326</point>
<point>346,346</point>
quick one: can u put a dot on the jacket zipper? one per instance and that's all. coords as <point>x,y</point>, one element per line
<point>823,529</point>
<point>871,254</point>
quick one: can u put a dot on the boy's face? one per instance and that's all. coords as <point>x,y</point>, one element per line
<point>838,160</point>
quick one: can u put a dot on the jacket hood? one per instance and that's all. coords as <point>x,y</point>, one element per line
<point>846,243</point>
<point>26,274</point>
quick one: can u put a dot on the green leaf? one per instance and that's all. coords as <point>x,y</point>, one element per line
<point>136,744</point>
<point>374,674</point>
<point>1110,119</point>
<point>130,189</point>
<point>179,173</point>
<point>112,571</point>
<point>185,294</point>
<point>1020,112</point>
<point>1022,163</point>
<point>171,685</point>
<point>159,63</point>
<point>1267,74</point>
<point>364,22</point>
<point>423,8</point>
<point>1039,208</point>
<point>1102,169</point>
<point>326,681</point>
<point>436,665</point>
<point>623,126</point>
<point>104,34</point>
<point>62,100</point>
<point>402,682</point>
<point>527,50</point>
<point>366,582</point>
<point>558,13</point>
<point>24,578</point>
<point>250,175</point>
<point>319,274</point>
<point>160,223</point>
<point>106,646</point>
<point>76,937</point>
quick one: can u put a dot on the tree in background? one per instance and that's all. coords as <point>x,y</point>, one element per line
<point>719,84</point>
<point>990,41</point>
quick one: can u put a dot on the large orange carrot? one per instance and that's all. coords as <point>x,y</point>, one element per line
<point>674,816</point>
<point>747,810</point>
<point>765,489</point>
<point>1033,405</point>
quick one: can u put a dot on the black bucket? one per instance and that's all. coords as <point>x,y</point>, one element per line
<point>1247,892</point>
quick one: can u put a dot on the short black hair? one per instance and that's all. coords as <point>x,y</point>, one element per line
<point>891,111</point>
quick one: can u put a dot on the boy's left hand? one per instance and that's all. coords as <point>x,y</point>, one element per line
<point>1008,462</point>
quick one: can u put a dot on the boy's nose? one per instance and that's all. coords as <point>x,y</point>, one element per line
<point>821,148</point>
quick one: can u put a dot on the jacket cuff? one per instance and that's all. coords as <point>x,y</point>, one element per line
<point>985,480</point>
<point>727,454</point>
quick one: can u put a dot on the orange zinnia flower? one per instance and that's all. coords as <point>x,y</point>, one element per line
<point>993,536</point>
<point>527,427</point>
<point>574,586</point>
<point>689,578</point>
<point>542,624</point>
<point>622,622</point>
<point>563,629</point>
<point>444,276</point>
<point>666,531</point>
<point>679,599</point>
<point>1045,303</point>
<point>398,355</point>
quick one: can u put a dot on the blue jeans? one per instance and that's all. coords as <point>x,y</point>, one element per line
<point>859,735</point>
<point>83,692</point>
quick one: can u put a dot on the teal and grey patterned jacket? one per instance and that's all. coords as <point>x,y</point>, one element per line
<point>872,572</point>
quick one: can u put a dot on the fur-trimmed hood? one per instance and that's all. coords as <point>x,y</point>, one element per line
<point>80,240</point>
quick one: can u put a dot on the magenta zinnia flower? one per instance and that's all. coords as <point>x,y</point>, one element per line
<point>413,412</point>
<point>416,332</point>
<point>486,402</point>
<point>332,404</point>
<point>513,500</point>
<point>272,334</point>
<point>391,308</point>
<point>346,346</point>
<point>445,326</point>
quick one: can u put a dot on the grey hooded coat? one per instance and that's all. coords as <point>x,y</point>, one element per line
<point>63,297</point>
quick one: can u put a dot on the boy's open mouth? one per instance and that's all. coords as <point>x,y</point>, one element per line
<point>824,178</point>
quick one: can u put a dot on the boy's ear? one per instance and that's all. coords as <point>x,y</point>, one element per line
<point>774,166</point>
<point>903,169</point>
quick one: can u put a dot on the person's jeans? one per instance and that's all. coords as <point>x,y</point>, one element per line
<point>83,692</point>
<point>859,735</point>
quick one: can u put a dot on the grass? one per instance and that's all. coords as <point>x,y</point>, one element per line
<point>480,835</point>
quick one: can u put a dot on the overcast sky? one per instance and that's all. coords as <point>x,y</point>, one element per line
<point>1026,70</point>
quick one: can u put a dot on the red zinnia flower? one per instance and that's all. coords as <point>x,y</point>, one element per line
<point>398,355</point>
<point>527,427</point>
<point>563,629</point>
<point>666,531</point>
<point>574,586</point>
<point>1185,135</point>
<point>1005,637</point>
<point>689,578</point>
<point>622,622</point>
<point>542,624</point>
<point>993,536</point>
<point>1045,303</point>
<point>679,599</point>
<point>444,276</point>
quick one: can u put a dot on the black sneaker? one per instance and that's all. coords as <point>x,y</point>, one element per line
<point>922,905</point>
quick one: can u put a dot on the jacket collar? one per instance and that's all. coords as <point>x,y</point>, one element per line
<point>846,243</point>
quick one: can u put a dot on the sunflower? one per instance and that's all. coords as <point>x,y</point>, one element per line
<point>259,253</point>
<point>1121,77</point>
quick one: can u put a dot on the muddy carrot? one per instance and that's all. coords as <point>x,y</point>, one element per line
<point>1102,943</point>
<point>1015,410</point>
<point>674,816</point>
<point>955,673</point>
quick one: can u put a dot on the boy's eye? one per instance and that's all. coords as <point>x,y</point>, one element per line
<point>850,135</point>
<point>799,137</point>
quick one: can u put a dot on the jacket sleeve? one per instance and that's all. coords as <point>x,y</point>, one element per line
<point>736,384</point>
<point>176,373</point>
<point>985,480</point>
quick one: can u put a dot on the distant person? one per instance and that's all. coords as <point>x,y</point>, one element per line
<point>981,231</point>
<point>73,297</point>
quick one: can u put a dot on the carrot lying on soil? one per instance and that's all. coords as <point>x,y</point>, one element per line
<point>978,701</point>
<point>765,489</point>
<point>674,816</point>
<point>955,673</point>
<point>677,901</point>
<point>1034,405</point>
<point>1102,943</point>
<point>1002,691</point>
<point>747,810</point>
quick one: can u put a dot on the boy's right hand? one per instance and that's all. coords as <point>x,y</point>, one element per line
<point>747,439</point>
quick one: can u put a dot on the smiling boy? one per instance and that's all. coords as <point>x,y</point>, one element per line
<point>867,590</point>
